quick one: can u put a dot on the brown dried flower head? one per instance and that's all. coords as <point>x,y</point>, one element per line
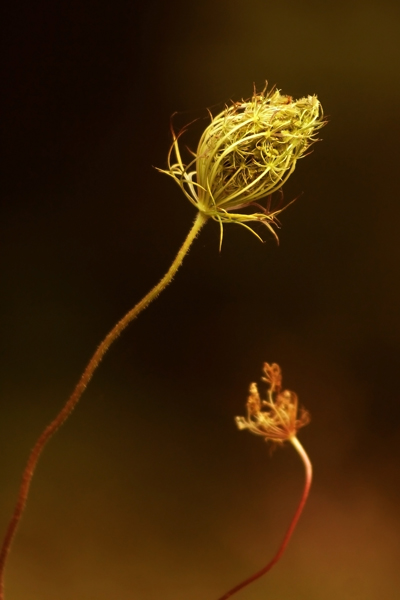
<point>278,418</point>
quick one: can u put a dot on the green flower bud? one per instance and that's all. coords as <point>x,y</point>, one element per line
<point>246,154</point>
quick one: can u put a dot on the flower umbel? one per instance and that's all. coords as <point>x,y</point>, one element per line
<point>277,419</point>
<point>246,154</point>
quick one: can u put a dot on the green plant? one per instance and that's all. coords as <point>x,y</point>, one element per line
<point>246,153</point>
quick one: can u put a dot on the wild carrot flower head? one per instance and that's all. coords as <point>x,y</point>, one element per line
<point>246,154</point>
<point>278,418</point>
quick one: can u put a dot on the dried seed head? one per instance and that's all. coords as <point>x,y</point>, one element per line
<point>277,419</point>
<point>246,154</point>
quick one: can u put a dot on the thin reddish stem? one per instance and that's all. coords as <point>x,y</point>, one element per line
<point>80,388</point>
<point>289,532</point>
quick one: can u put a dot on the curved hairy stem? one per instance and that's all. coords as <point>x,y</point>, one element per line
<point>80,388</point>
<point>288,534</point>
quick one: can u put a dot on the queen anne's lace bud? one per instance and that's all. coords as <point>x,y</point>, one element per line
<point>246,154</point>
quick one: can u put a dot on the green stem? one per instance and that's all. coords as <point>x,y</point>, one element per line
<point>80,388</point>
<point>293,523</point>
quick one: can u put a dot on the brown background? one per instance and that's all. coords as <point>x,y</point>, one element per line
<point>149,491</point>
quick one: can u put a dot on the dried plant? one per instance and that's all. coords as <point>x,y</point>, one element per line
<point>278,420</point>
<point>246,154</point>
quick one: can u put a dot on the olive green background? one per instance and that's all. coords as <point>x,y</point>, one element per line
<point>149,491</point>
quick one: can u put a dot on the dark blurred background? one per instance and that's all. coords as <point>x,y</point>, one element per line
<point>149,491</point>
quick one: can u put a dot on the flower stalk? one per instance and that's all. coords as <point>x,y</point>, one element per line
<point>80,388</point>
<point>278,421</point>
